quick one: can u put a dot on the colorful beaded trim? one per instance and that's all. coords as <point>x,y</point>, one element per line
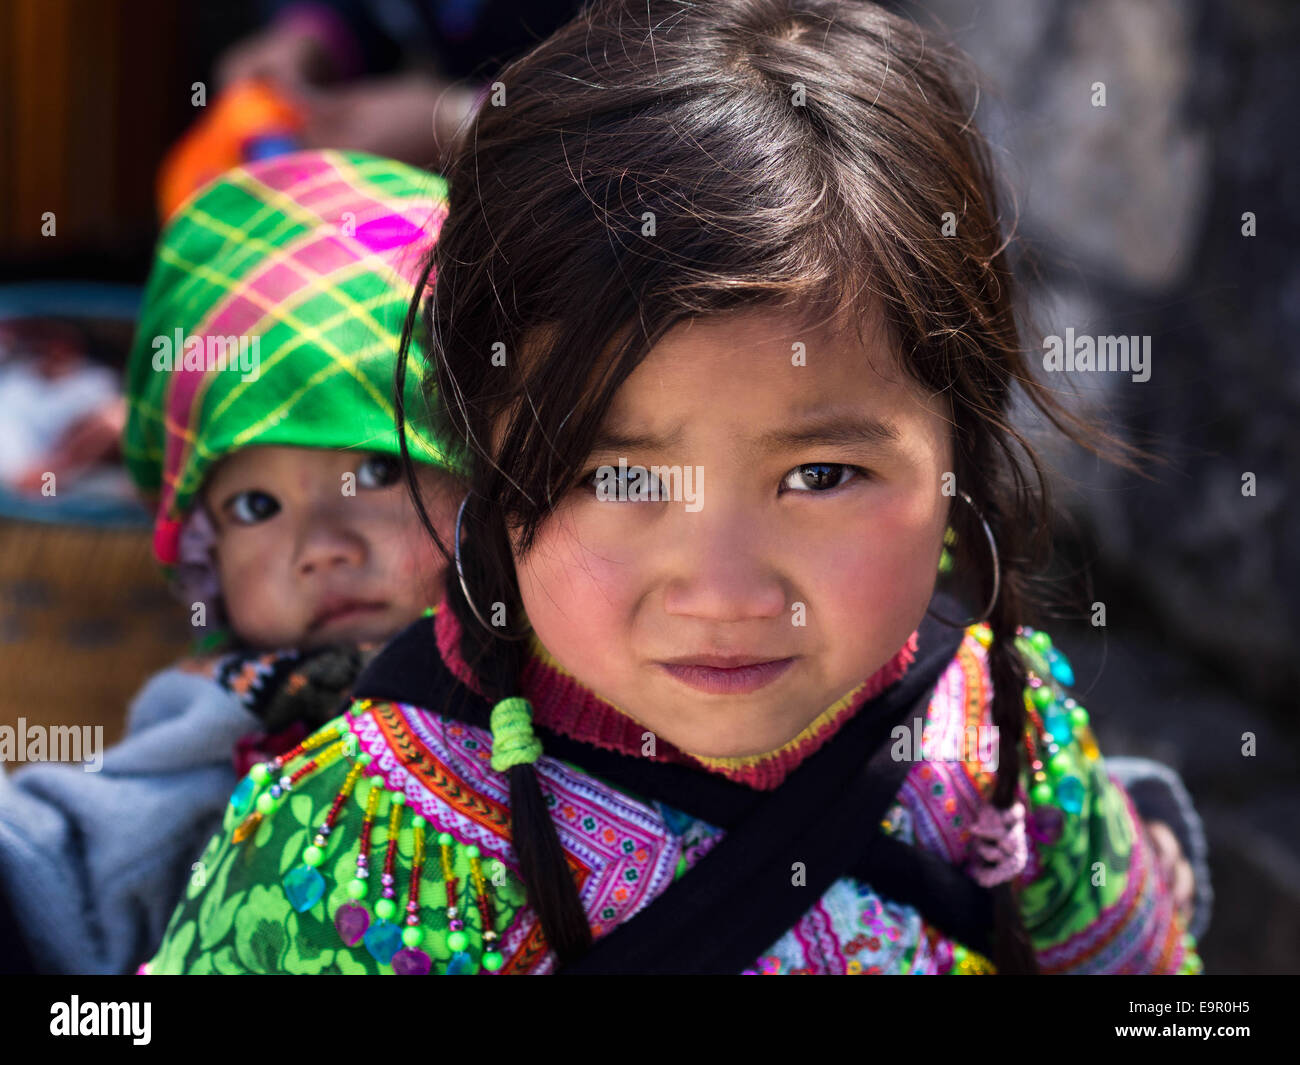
<point>396,944</point>
<point>1059,722</point>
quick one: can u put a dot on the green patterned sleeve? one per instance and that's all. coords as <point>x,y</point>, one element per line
<point>1092,896</point>
<point>260,900</point>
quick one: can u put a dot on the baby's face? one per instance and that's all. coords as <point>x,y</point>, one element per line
<point>810,547</point>
<point>316,546</point>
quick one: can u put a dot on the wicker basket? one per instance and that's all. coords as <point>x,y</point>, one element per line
<point>85,618</point>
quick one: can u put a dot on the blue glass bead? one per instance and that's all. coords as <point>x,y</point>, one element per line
<point>460,965</point>
<point>242,795</point>
<point>1058,725</point>
<point>1069,794</point>
<point>1061,668</point>
<point>304,886</point>
<point>383,940</point>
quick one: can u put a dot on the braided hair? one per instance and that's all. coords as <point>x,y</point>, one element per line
<point>543,866</point>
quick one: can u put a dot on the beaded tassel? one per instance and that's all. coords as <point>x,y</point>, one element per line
<point>492,959</point>
<point>351,921</point>
<point>304,884</point>
<point>411,961</point>
<point>269,800</point>
<point>390,856</point>
<point>388,940</point>
<point>1057,725</point>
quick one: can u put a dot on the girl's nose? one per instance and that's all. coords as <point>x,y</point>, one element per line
<point>723,571</point>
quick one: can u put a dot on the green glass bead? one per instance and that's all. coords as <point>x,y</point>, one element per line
<point>1078,717</point>
<point>412,936</point>
<point>492,961</point>
<point>363,759</point>
<point>357,889</point>
<point>265,804</point>
<point>418,821</point>
<point>1041,794</point>
<point>313,856</point>
<point>1059,764</point>
<point>399,799</point>
<point>457,941</point>
<point>385,908</point>
<point>1041,641</point>
<point>471,851</point>
<point>444,839</point>
<point>259,773</point>
<point>356,710</point>
<point>1043,696</point>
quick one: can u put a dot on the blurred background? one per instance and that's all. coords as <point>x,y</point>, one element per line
<point>1130,222</point>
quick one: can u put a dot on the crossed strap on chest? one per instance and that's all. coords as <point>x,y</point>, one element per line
<point>782,850</point>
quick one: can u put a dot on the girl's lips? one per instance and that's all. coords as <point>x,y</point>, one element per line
<point>733,680</point>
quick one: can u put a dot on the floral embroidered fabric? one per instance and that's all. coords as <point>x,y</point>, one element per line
<point>252,915</point>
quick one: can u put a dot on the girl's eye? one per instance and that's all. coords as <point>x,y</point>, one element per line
<point>379,471</point>
<point>632,484</point>
<point>248,508</point>
<point>818,476</point>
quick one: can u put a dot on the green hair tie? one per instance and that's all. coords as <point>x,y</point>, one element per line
<point>513,742</point>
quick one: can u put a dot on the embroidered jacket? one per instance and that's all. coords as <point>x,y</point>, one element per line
<point>384,844</point>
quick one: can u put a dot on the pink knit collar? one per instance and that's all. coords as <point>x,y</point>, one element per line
<point>561,704</point>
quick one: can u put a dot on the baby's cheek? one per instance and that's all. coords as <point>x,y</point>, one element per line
<point>419,566</point>
<point>254,609</point>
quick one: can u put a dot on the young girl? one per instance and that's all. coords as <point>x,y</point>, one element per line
<point>724,314</point>
<point>281,514</point>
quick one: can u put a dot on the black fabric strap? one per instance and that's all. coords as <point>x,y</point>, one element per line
<point>765,874</point>
<point>826,815</point>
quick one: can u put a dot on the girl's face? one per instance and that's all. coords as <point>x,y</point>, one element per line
<point>316,546</point>
<point>803,556</point>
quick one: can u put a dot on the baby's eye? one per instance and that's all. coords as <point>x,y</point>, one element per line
<point>248,508</point>
<point>379,471</point>
<point>818,476</point>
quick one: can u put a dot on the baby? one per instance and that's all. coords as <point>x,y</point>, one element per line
<point>261,419</point>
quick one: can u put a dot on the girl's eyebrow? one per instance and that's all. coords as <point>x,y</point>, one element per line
<point>615,440</point>
<point>843,429</point>
<point>837,429</point>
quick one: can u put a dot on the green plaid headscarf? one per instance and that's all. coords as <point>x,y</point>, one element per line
<point>273,315</point>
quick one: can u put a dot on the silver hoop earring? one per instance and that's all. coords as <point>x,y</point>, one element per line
<point>460,572</point>
<point>997,571</point>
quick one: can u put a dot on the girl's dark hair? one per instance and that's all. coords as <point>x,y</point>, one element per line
<point>658,160</point>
